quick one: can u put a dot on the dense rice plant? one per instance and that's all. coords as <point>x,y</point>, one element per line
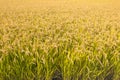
<point>60,44</point>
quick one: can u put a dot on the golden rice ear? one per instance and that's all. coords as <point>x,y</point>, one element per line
<point>59,40</point>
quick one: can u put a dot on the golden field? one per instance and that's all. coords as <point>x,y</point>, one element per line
<point>59,40</point>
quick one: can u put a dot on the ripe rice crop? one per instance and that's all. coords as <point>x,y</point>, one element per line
<point>59,41</point>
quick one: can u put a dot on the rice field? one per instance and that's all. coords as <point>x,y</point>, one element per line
<point>59,40</point>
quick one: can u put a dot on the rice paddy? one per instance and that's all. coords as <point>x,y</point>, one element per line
<point>59,40</point>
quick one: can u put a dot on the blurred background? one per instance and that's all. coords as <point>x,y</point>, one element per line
<point>54,3</point>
